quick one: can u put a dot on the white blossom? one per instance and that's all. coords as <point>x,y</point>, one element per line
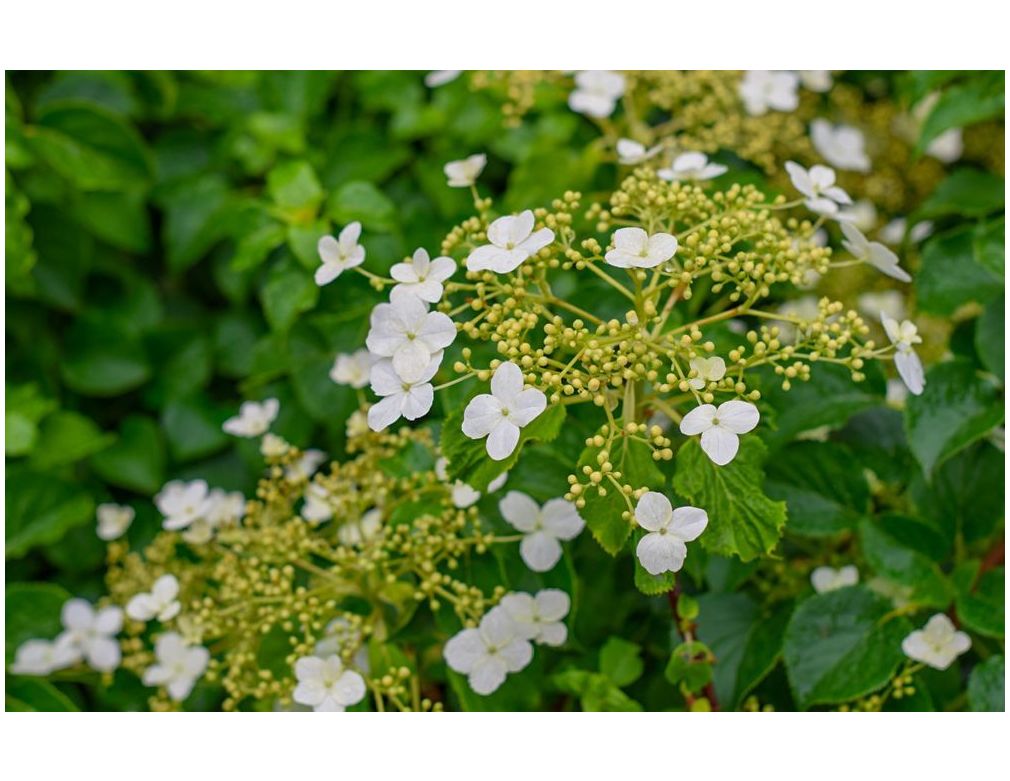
<point>512,241</point>
<point>304,467</point>
<point>324,684</point>
<point>828,578</point>
<point>340,254</point>
<point>862,214</point>
<point>843,146</point>
<point>937,644</point>
<point>872,252</point>
<point>894,232</point>
<point>708,370</point>
<point>438,78</point>
<point>361,531</point>
<point>352,369</point>
<point>634,248</point>
<point>254,418</point>
<point>500,414</point>
<point>182,503</point>
<point>818,185</point>
<point>357,424</point>
<point>113,520</point>
<point>664,548</point>
<point>400,398</point>
<point>160,602</point>
<point>542,527</point>
<point>178,665</point>
<point>44,657</point>
<point>539,618</point>
<point>596,93</point>
<point>317,507</point>
<point>948,146</point>
<point>632,153</point>
<point>691,167</point>
<point>490,652</point>
<point>764,90</point>
<point>815,81</point>
<point>273,446</point>
<point>421,277</point>
<point>224,508</point>
<point>410,335</point>
<point>92,633</point>
<point>463,495</point>
<point>904,336</point>
<point>464,173</point>
<point>720,428</point>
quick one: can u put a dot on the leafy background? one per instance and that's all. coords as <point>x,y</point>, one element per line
<point>160,239</point>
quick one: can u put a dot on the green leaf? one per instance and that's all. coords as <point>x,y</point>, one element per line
<point>990,338</point>
<point>118,218</point>
<point>364,202</point>
<point>196,218</point>
<point>742,520</point>
<point>67,437</point>
<point>293,186</point>
<point>101,359</point>
<point>136,461</point>
<point>966,192</point>
<point>33,694</point>
<point>254,247</point>
<point>285,296</point>
<point>959,106</point>
<point>965,494</point>
<point>597,693</point>
<point>981,608</point>
<point>193,427</point>
<point>950,276</point>
<point>987,685</point>
<point>900,564</point>
<point>957,407</point>
<point>41,508</point>
<point>621,661</point>
<point>989,244</point>
<point>650,585</point>
<point>31,611</point>
<point>25,409</point>
<point>841,645</point>
<point>690,666</point>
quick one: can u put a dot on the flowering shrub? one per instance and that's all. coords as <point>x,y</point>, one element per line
<point>712,364</point>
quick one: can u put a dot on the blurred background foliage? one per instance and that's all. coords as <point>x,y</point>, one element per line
<point>160,243</point>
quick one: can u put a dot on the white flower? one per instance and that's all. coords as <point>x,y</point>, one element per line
<point>818,185</point>
<point>542,527</point>
<point>182,503</point>
<point>304,467</point>
<point>490,652</point>
<point>317,507</point>
<point>364,530</point>
<point>664,548</point>
<point>409,400</point>
<point>903,336</point>
<point>843,146</point>
<point>500,414</point>
<point>422,277</point>
<point>828,578</point>
<point>352,369</point>
<point>937,644</point>
<point>357,424</point>
<point>178,665</point>
<point>691,166</point>
<point>632,153</point>
<point>512,241</point>
<point>596,93</point>
<point>410,335</point>
<point>43,657</point>
<point>223,509</point>
<point>340,254</point>
<point>539,618</point>
<point>894,232</point>
<point>888,302</point>
<point>463,495</point>
<point>872,252</point>
<point>463,173</point>
<point>438,78</point>
<point>948,146</point>
<point>114,520</point>
<point>815,81</point>
<point>720,428</point>
<point>324,684</point>
<point>896,394</point>
<point>764,90</point>
<point>92,633</point>
<point>273,446</point>
<point>634,248</point>
<point>254,418</point>
<point>708,369</point>
<point>160,602</point>
<point>862,214</point>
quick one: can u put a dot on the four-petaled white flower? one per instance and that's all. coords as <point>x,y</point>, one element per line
<point>828,578</point>
<point>490,652</point>
<point>438,78</point>
<point>664,548</point>
<point>634,248</point>
<point>422,277</point>
<point>542,527</point>
<point>632,153</point>
<point>937,644</point>
<point>92,633</point>
<point>400,398</point>
<point>708,369</point>
<point>720,428</point>
<point>340,254</point>
<point>596,93</point>
<point>114,520</point>
<point>512,241</point>
<point>691,166</point>
<point>903,336</point>
<point>539,618</point>
<point>873,252</point>
<point>178,665</point>
<point>254,418</point>
<point>160,602</point>
<point>463,173</point>
<point>463,495</point>
<point>500,414</point>
<point>815,81</point>
<point>304,467</point>
<point>764,90</point>
<point>818,185</point>
<point>843,146</point>
<point>364,530</point>
<point>410,335</point>
<point>324,684</point>
<point>183,503</point>
<point>352,368</point>
<point>43,657</point>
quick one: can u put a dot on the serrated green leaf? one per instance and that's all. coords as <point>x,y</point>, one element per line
<point>987,685</point>
<point>900,564</point>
